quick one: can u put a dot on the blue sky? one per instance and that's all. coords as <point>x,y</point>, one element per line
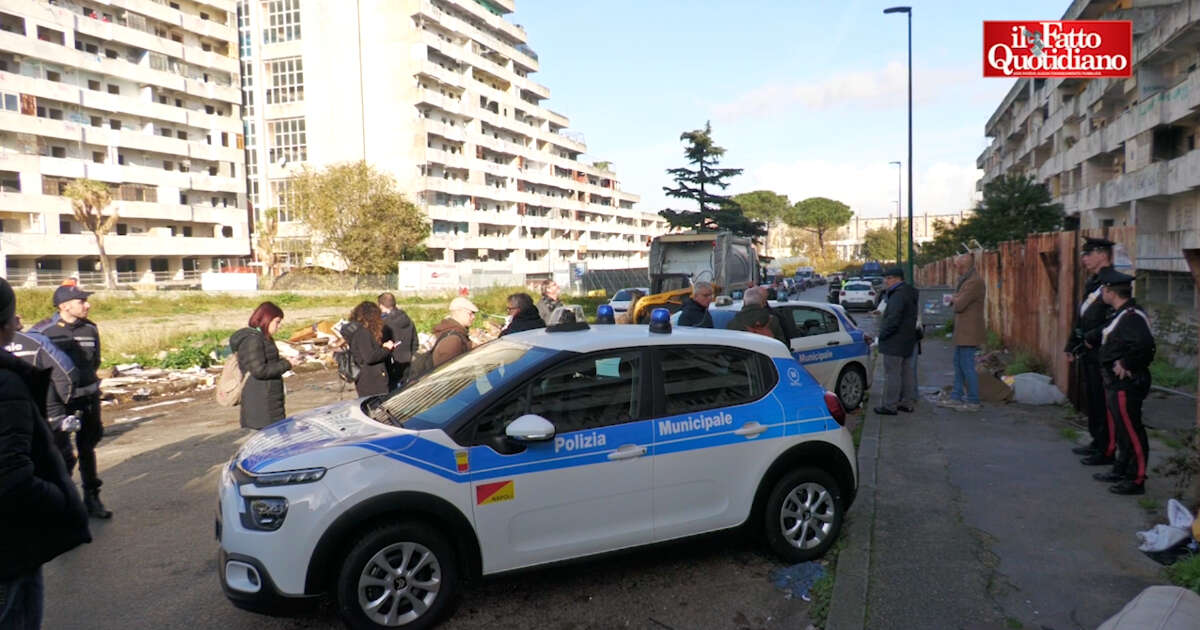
<point>808,97</point>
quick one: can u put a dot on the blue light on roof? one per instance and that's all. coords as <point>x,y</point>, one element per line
<point>604,314</point>
<point>660,321</point>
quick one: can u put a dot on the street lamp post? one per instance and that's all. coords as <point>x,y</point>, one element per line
<point>899,200</point>
<point>908,11</point>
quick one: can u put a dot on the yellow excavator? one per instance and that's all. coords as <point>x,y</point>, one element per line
<point>677,261</point>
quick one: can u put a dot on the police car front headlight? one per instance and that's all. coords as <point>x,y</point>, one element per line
<point>265,513</point>
<point>289,477</point>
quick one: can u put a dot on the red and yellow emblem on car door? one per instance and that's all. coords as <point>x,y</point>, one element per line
<point>495,492</point>
<point>461,461</point>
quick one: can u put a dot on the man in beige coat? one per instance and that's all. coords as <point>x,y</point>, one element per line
<point>969,334</point>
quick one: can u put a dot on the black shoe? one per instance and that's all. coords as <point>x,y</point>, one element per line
<point>906,409</point>
<point>1128,487</point>
<point>1097,459</point>
<point>1086,450</point>
<point>884,411</point>
<point>1109,476</point>
<point>95,509</point>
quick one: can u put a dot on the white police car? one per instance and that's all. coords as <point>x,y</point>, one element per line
<point>536,448</point>
<point>828,344</point>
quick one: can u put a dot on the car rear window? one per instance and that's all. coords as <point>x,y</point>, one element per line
<point>621,296</point>
<point>857,286</point>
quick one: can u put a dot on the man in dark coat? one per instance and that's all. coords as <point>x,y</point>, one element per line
<point>1083,348</point>
<point>262,396</point>
<point>79,338</point>
<point>41,515</point>
<point>399,329</point>
<point>38,351</point>
<point>523,313</point>
<point>897,340</point>
<point>1126,350</point>
<point>754,316</point>
<point>695,309</point>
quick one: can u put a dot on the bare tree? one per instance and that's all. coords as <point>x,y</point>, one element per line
<point>90,199</point>
<point>267,230</point>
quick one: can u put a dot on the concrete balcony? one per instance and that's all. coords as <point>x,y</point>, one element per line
<point>443,75</point>
<point>1183,173</point>
<point>454,24</point>
<point>448,186</point>
<point>1180,19</point>
<point>33,203</point>
<point>446,158</point>
<point>497,144</point>
<point>452,132</point>
<point>27,244</point>
<point>440,101</point>
<point>209,28</point>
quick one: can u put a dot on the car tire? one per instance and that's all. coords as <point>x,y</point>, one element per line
<point>400,568</point>
<point>851,387</point>
<point>803,515</point>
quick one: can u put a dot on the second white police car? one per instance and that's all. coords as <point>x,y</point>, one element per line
<point>536,448</point>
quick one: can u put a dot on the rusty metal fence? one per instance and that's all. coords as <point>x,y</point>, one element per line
<point>1032,289</point>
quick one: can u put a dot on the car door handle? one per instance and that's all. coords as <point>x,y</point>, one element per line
<point>751,429</point>
<point>833,343</point>
<point>627,451</point>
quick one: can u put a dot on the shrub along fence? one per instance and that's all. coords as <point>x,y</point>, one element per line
<point>1033,289</point>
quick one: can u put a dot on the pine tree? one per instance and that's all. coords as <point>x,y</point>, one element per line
<point>700,184</point>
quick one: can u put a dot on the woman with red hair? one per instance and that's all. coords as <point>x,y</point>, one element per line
<point>258,358</point>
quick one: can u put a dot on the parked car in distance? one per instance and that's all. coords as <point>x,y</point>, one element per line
<point>621,299</point>
<point>857,294</point>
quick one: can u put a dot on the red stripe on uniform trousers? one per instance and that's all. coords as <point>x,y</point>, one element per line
<point>1133,438</point>
<point>1111,448</point>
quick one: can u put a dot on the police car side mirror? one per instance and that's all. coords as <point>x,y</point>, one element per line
<point>530,428</point>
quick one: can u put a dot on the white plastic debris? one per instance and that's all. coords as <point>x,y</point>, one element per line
<point>1032,388</point>
<point>1164,537</point>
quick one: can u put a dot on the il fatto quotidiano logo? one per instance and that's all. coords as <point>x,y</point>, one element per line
<point>1058,49</point>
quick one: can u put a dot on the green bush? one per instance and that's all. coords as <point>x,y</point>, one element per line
<point>993,342</point>
<point>1167,375</point>
<point>1025,362</point>
<point>1186,573</point>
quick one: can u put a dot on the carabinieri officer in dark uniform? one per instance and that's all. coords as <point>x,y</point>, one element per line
<point>1084,347</point>
<point>76,335</point>
<point>1126,350</point>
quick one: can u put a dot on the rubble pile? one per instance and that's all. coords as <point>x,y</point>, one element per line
<point>314,344</point>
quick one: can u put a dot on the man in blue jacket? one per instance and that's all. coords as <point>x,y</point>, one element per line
<point>897,342</point>
<point>41,514</point>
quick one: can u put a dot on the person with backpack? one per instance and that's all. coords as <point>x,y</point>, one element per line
<point>38,351</point>
<point>398,328</point>
<point>41,514</point>
<point>754,316</point>
<point>262,394</point>
<point>364,334</point>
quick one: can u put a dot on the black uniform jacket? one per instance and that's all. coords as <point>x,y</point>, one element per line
<point>692,314</point>
<point>525,319</point>
<point>398,327</point>
<point>41,514</point>
<point>81,341</point>
<point>371,358</point>
<point>1089,321</point>
<point>1127,338</point>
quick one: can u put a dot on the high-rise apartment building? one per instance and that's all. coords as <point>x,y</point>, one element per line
<point>438,94</point>
<point>141,95</point>
<point>1119,152</point>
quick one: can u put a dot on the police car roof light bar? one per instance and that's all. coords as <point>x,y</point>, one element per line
<point>660,321</point>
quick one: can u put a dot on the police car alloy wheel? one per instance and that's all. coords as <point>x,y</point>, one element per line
<point>850,386</point>
<point>803,515</point>
<point>402,575</point>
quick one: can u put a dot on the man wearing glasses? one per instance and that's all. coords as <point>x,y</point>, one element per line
<point>522,315</point>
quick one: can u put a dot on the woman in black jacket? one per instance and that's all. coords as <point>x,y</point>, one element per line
<point>363,334</point>
<point>262,396</point>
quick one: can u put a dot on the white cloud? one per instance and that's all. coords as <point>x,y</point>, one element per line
<point>868,188</point>
<point>873,89</point>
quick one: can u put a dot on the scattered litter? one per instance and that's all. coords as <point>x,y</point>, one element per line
<point>1032,388</point>
<point>141,394</point>
<point>1178,531</point>
<point>797,579</point>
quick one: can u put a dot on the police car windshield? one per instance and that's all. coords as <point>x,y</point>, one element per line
<point>436,399</point>
<point>857,287</point>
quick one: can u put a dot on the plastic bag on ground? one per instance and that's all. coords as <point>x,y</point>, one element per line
<point>1032,388</point>
<point>797,579</point>
<point>1178,515</point>
<point>1162,537</point>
